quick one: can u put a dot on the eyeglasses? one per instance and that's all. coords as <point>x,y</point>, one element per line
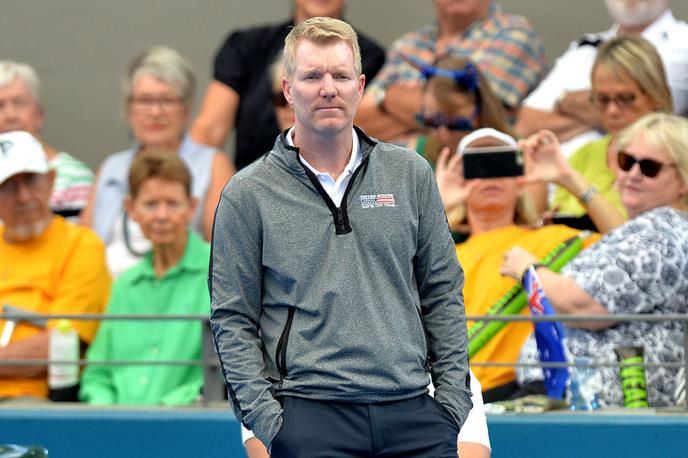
<point>10,188</point>
<point>148,103</point>
<point>453,123</point>
<point>623,100</point>
<point>279,100</point>
<point>648,167</point>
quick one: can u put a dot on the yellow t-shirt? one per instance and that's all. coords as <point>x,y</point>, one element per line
<point>62,271</point>
<point>481,257</point>
<point>591,161</point>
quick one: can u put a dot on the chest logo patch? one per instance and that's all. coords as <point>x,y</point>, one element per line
<point>378,200</point>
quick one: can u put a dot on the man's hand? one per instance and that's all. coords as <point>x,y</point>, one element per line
<point>395,116</point>
<point>35,347</point>
<point>577,104</point>
<point>403,100</point>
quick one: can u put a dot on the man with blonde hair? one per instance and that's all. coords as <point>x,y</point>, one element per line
<point>335,288</point>
<point>21,109</point>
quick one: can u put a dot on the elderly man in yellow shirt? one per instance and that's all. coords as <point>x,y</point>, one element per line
<point>47,265</point>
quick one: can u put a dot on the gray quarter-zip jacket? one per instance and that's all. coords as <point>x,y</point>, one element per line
<point>352,304</point>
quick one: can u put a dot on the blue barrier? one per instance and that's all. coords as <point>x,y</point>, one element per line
<point>117,433</point>
<point>589,434</point>
<point>78,431</point>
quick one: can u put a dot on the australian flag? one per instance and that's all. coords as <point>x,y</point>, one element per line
<point>549,336</point>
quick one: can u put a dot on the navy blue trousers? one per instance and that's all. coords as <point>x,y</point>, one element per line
<point>418,427</point>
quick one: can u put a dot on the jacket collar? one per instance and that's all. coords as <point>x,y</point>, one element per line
<point>288,156</point>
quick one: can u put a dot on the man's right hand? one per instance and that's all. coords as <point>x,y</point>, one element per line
<point>576,104</point>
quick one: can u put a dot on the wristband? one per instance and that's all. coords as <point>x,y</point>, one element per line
<point>589,193</point>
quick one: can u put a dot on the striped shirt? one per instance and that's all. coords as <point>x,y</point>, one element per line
<point>505,47</point>
<point>72,187</point>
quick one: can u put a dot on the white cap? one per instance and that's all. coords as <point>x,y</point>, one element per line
<point>20,152</point>
<point>485,132</point>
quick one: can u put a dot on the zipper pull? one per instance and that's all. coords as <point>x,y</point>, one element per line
<point>340,218</point>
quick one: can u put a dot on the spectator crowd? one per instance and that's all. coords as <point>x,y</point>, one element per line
<point>604,141</point>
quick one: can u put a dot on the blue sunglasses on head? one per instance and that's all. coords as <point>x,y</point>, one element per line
<point>453,123</point>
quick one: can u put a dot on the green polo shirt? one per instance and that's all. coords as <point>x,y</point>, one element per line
<point>182,290</point>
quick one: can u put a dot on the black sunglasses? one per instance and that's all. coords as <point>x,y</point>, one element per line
<point>437,120</point>
<point>279,100</point>
<point>648,167</point>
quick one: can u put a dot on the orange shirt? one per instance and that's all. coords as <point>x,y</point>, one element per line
<point>481,257</point>
<point>62,271</point>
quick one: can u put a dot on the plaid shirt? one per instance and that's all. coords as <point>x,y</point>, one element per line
<point>505,47</point>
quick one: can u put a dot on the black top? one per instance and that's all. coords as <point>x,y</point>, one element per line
<point>243,63</point>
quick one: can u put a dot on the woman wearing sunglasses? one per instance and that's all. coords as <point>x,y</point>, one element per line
<point>456,100</point>
<point>639,267</point>
<point>628,82</point>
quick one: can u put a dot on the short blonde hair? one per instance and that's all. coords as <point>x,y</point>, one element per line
<point>636,57</point>
<point>662,131</point>
<point>164,64</point>
<point>320,30</point>
<point>11,70</point>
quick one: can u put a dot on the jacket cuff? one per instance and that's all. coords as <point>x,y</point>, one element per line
<point>267,423</point>
<point>457,402</point>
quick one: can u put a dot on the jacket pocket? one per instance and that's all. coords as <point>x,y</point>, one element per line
<point>281,351</point>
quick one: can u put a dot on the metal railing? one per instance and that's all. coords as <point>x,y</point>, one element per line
<point>214,389</point>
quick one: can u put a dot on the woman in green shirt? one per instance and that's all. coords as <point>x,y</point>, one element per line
<point>171,279</point>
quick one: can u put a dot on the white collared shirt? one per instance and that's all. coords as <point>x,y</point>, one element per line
<point>334,188</point>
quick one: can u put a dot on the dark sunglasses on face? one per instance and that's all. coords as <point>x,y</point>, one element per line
<point>437,120</point>
<point>623,100</point>
<point>279,100</point>
<point>648,167</point>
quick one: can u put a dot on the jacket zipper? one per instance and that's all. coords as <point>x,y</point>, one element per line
<point>281,352</point>
<point>339,214</point>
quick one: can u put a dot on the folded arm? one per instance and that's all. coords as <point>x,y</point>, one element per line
<point>216,118</point>
<point>563,293</point>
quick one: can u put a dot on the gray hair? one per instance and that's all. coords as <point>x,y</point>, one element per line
<point>10,70</point>
<point>164,64</point>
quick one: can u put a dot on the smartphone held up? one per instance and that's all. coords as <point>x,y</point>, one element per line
<point>492,162</point>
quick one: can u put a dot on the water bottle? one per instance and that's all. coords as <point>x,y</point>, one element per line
<point>582,395</point>
<point>63,379</point>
